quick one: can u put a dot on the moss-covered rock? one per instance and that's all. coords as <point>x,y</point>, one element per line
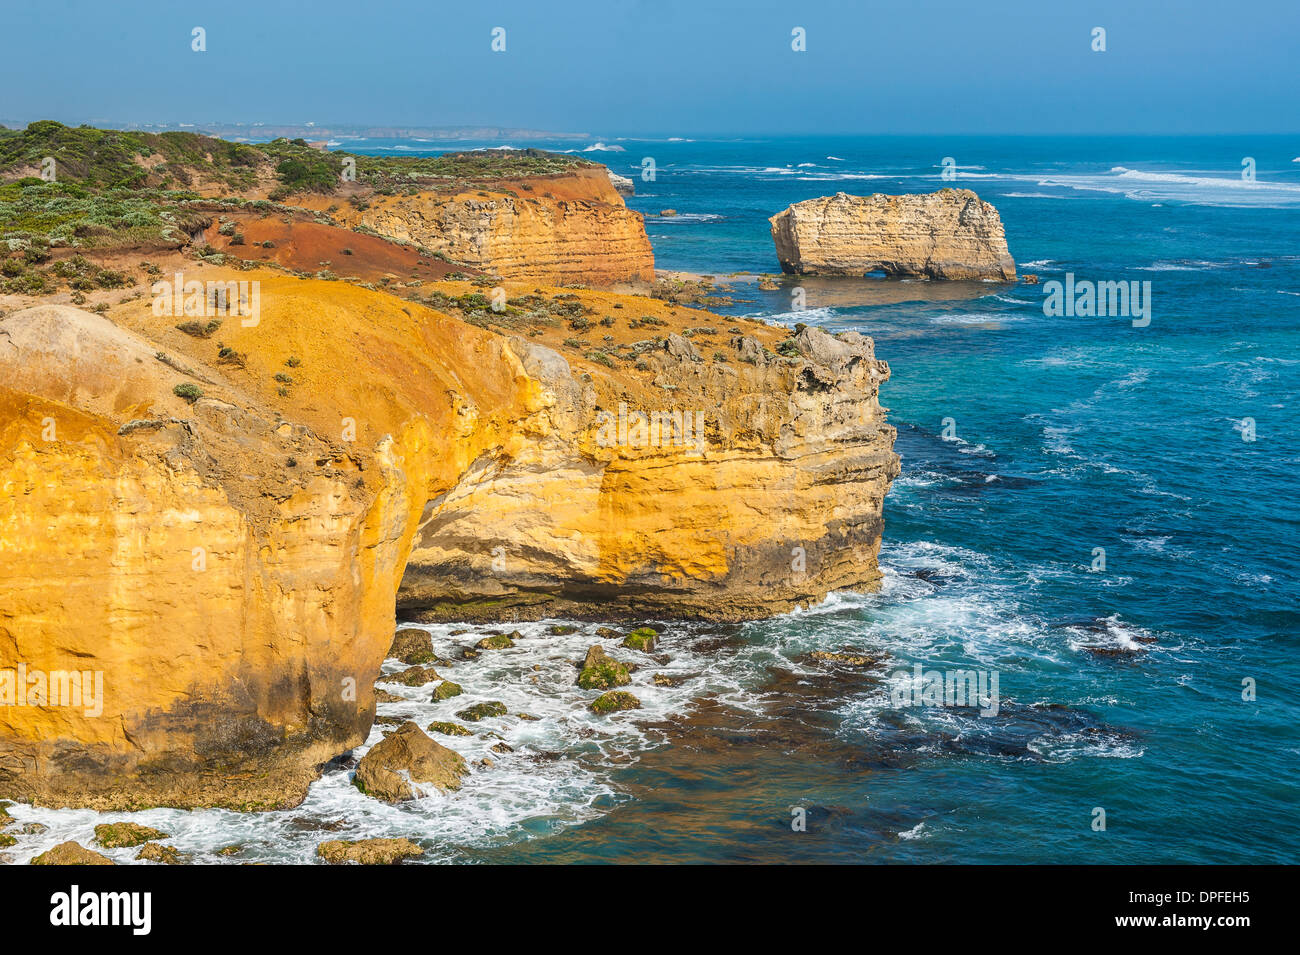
<point>481,711</point>
<point>232,850</point>
<point>6,841</point>
<point>528,717</point>
<point>163,855</point>
<point>498,641</point>
<point>119,835</point>
<point>448,729</point>
<point>413,676</point>
<point>600,671</point>
<point>71,853</point>
<point>383,696</point>
<point>412,647</point>
<point>368,851</point>
<point>607,633</point>
<point>643,639</point>
<point>614,701</point>
<point>561,629</point>
<point>446,690</point>
<point>408,756</point>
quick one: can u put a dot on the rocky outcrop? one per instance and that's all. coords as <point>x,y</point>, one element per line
<point>949,234</point>
<point>226,560</point>
<point>560,229</point>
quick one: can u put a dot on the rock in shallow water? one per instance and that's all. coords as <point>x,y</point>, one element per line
<point>614,701</point>
<point>412,646</point>
<point>118,835</point>
<point>600,671</point>
<point>368,851</point>
<point>480,711</point>
<point>71,853</point>
<point>408,756</point>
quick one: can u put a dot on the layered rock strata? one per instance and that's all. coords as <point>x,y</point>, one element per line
<point>949,234</point>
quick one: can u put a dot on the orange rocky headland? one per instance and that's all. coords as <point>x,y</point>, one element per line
<point>223,514</point>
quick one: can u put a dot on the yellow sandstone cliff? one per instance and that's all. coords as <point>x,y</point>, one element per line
<point>231,565</point>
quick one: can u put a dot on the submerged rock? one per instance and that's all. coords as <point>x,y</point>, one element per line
<point>949,234</point>
<point>614,701</point>
<point>850,658</point>
<point>368,851</point>
<point>119,835</point>
<point>71,853</point>
<point>408,756</point>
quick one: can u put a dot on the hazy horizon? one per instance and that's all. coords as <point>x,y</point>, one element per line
<point>636,68</point>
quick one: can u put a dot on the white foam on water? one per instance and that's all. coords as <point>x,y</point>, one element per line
<point>977,318</point>
<point>808,316</point>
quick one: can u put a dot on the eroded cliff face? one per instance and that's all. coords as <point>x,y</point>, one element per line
<point>570,227</point>
<point>709,490</point>
<point>231,565</point>
<point>950,234</point>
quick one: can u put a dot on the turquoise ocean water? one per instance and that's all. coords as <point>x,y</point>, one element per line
<point>1120,689</point>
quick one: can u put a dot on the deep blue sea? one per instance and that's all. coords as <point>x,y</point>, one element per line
<point>1121,688</point>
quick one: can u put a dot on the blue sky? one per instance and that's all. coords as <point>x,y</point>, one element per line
<point>688,67</point>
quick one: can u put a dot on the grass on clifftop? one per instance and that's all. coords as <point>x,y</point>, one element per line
<point>105,159</point>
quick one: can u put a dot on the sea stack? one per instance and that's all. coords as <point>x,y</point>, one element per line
<point>949,234</point>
